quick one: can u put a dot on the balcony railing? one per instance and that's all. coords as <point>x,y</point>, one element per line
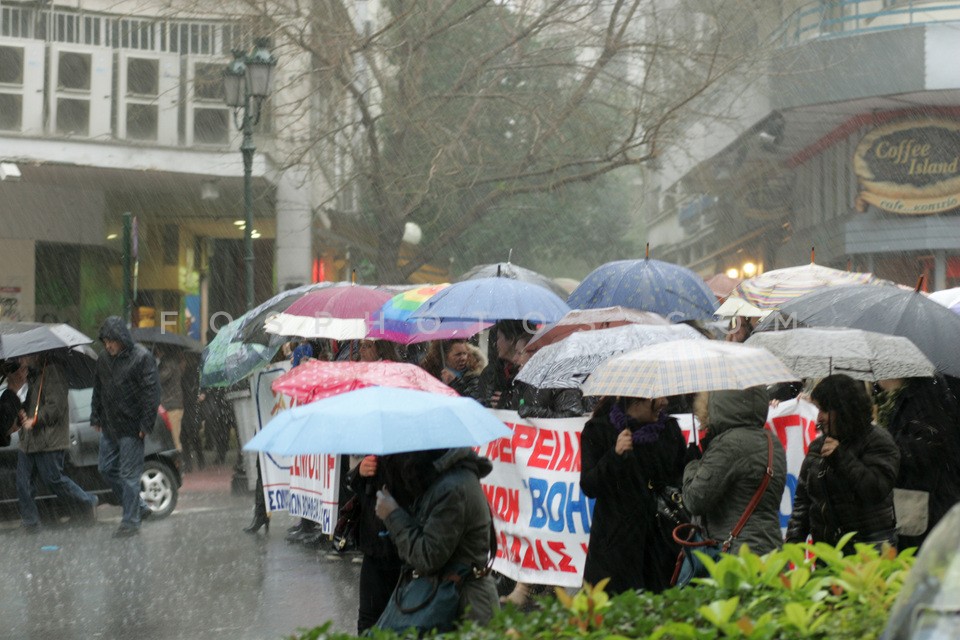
<point>820,20</point>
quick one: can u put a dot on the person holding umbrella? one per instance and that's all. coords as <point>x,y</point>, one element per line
<point>449,362</point>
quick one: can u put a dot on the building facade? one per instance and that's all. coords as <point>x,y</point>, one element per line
<point>842,140</point>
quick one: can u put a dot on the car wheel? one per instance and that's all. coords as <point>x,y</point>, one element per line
<point>158,488</point>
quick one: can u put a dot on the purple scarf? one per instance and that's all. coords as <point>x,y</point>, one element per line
<point>642,434</point>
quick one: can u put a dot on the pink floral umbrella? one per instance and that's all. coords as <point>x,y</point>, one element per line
<point>316,379</point>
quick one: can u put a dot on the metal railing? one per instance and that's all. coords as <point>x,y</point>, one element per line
<point>820,20</point>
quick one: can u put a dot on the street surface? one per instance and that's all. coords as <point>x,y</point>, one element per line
<point>193,575</point>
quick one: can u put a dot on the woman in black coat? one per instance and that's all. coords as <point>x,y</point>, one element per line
<point>628,445</point>
<point>846,480</point>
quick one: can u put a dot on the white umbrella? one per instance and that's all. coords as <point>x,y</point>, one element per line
<point>686,366</point>
<point>734,307</point>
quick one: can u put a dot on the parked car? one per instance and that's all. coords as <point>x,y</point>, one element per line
<point>159,484</point>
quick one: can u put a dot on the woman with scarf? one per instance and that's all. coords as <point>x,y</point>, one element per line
<point>630,448</point>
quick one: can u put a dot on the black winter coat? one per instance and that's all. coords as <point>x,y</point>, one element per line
<point>627,543</point>
<point>531,402</point>
<point>372,537</point>
<point>126,390</point>
<point>850,490</point>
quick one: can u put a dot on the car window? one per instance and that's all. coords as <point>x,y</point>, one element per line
<point>80,401</point>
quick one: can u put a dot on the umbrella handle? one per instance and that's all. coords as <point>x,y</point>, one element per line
<point>36,410</point>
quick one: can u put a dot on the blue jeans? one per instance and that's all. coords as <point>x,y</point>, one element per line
<point>121,465</point>
<point>49,466</point>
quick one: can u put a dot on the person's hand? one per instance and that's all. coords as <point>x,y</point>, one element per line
<point>829,446</point>
<point>447,376</point>
<point>142,435</point>
<point>201,397</point>
<point>368,466</point>
<point>28,423</point>
<point>495,399</point>
<point>624,442</point>
<point>385,504</point>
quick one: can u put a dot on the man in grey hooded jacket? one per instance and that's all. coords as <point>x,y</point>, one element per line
<point>720,485</point>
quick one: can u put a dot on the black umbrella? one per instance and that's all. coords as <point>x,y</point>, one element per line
<point>157,335</point>
<point>512,271</point>
<point>890,310</point>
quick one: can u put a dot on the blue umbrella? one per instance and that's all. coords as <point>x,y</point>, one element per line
<point>380,421</point>
<point>492,299</point>
<point>673,291</point>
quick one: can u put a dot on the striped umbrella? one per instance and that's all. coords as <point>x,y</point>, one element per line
<point>772,289</point>
<point>393,322</point>
<point>686,366</point>
<point>338,312</point>
<point>566,364</point>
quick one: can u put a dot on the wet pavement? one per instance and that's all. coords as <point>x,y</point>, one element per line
<point>192,575</point>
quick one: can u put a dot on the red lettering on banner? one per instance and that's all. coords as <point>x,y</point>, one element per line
<point>545,562</point>
<point>529,562</point>
<point>524,436</point>
<point>566,562</point>
<point>538,555</point>
<point>570,461</point>
<point>543,449</point>
<point>501,449</point>
<point>504,502</point>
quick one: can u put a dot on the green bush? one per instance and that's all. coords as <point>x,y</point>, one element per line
<point>779,595</point>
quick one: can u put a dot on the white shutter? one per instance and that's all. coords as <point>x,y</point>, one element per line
<point>148,86</point>
<point>21,86</point>
<point>79,90</point>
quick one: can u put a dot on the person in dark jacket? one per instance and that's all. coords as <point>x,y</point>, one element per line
<point>918,414</point>
<point>720,485</point>
<point>380,569</point>
<point>497,378</point>
<point>449,361</point>
<point>190,436</point>
<point>847,478</point>
<point>437,515</point>
<point>15,374</point>
<point>532,402</point>
<point>126,396</point>
<point>630,448</point>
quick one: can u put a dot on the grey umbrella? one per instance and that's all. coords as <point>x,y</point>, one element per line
<point>42,338</point>
<point>157,335</point>
<point>864,355</point>
<point>566,364</point>
<point>512,271</point>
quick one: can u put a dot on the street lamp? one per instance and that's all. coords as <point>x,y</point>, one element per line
<point>247,81</point>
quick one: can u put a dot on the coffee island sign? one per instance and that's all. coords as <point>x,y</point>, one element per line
<point>910,167</point>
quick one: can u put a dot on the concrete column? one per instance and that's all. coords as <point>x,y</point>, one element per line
<point>294,249</point>
<point>939,270</point>
<point>871,267</point>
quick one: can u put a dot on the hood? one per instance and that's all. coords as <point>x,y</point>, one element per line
<point>736,409</point>
<point>463,457</point>
<point>114,328</point>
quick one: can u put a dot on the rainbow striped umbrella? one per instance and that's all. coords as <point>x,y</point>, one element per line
<point>393,322</point>
<point>772,289</point>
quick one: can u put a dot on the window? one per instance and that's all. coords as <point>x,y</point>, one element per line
<point>211,126</point>
<point>208,82</point>
<point>11,66</point>
<point>73,117</point>
<point>73,71</point>
<point>143,77</point>
<point>11,111</point>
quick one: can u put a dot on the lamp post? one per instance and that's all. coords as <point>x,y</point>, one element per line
<point>247,81</point>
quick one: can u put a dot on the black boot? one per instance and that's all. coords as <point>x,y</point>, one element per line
<point>260,519</point>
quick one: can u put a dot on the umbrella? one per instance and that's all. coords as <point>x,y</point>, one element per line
<point>156,335</point>
<point>381,421</point>
<point>566,364</point>
<point>339,313</point>
<point>590,320</point>
<point>227,360</point>
<point>42,338</point>
<point>392,321</point>
<point>647,285</point>
<point>734,307</point>
<point>772,289</point>
<point>950,298</point>
<point>864,355</point>
<point>722,285</point>
<point>315,379</point>
<point>492,299</point>
<point>252,327</point>
<point>686,366</point>
<point>512,271</point>
<point>890,310</point>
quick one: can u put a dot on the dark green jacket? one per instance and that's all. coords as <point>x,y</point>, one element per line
<point>451,525</point>
<point>719,486</point>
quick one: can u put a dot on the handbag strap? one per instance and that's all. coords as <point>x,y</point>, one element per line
<point>755,500</point>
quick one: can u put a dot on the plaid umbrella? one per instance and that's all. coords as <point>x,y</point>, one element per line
<point>686,366</point>
<point>772,289</point>
<point>864,355</point>
<point>566,364</point>
<point>314,379</point>
<point>590,320</point>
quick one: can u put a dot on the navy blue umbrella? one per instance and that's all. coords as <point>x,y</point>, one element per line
<point>673,291</point>
<point>490,300</point>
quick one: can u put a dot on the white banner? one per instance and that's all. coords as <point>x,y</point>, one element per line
<point>540,513</point>
<point>306,486</point>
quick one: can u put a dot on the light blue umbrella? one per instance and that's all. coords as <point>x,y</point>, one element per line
<point>380,421</point>
<point>493,299</point>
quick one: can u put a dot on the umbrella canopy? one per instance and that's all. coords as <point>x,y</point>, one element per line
<point>252,328</point>
<point>392,321</point>
<point>226,360</point>
<point>339,312</point>
<point>566,364</point>
<point>381,421</point>
<point>775,288</point>
<point>722,285</point>
<point>864,355</point>
<point>42,338</point>
<point>686,366</point>
<point>156,335</point>
<point>734,307</point>
<point>890,310</point>
<point>315,379</point>
<point>492,299</point>
<point>512,271</point>
<point>950,298</point>
<point>673,291</point>
<point>590,320</point>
